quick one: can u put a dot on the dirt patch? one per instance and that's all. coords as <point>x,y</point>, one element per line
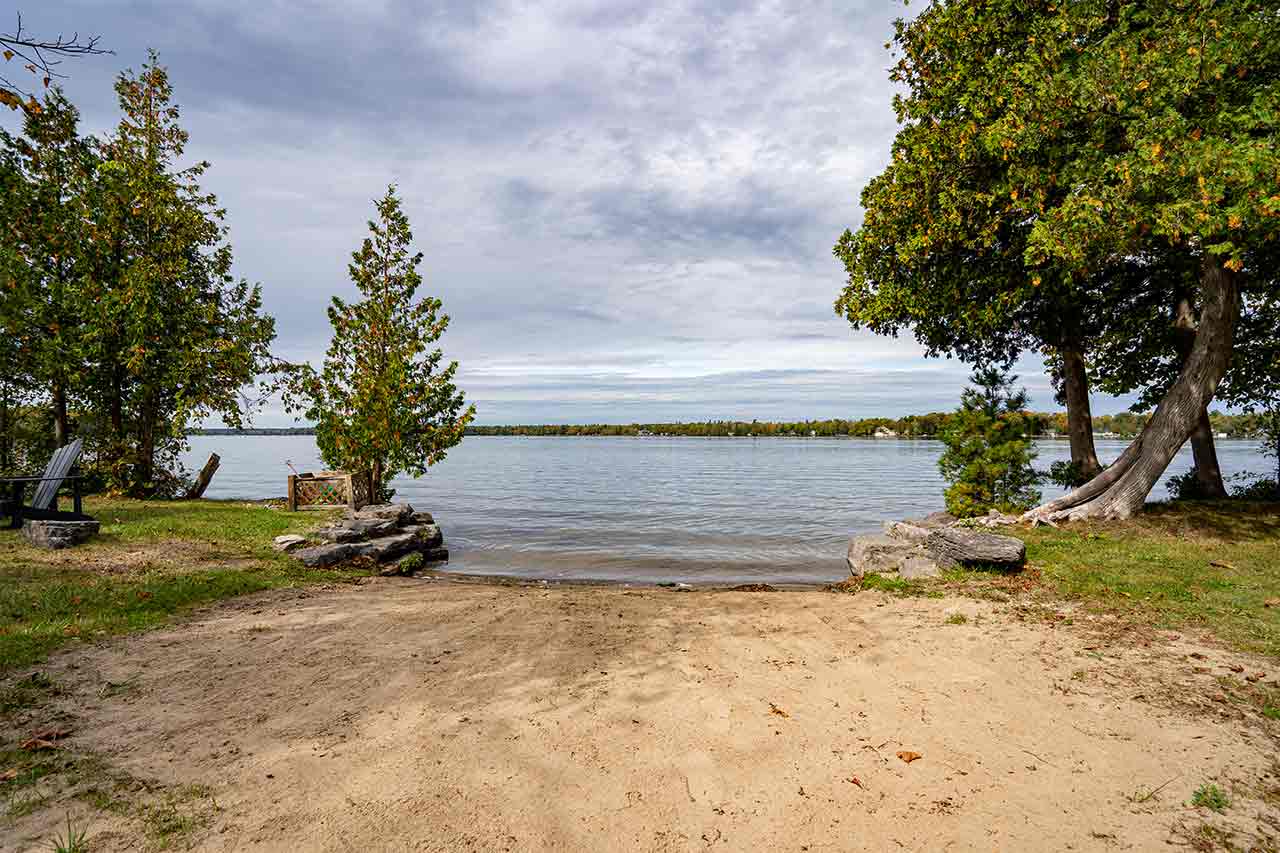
<point>114,558</point>
<point>429,715</point>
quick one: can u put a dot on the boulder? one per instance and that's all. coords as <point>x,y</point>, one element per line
<point>423,518</point>
<point>906,531</point>
<point>932,521</point>
<point>59,534</point>
<point>954,546</point>
<point>399,513</point>
<point>918,566</point>
<point>869,554</point>
<point>288,542</point>
<point>429,535</point>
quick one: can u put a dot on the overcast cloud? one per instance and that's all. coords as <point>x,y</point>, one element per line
<point>628,208</point>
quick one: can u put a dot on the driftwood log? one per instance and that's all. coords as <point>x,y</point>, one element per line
<point>206,474</point>
<point>954,546</point>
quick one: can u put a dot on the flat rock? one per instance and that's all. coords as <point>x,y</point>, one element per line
<point>386,548</point>
<point>953,546</point>
<point>357,529</point>
<point>906,531</point>
<point>288,542</point>
<point>321,556</point>
<point>399,513</point>
<point>868,554</point>
<point>59,534</point>
<point>423,518</point>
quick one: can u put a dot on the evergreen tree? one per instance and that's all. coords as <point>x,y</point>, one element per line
<point>43,175</point>
<point>173,337</point>
<point>383,403</point>
<point>988,452</point>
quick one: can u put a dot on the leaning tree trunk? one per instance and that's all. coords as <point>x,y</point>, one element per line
<point>1079,417</point>
<point>1121,490</point>
<point>1206,470</point>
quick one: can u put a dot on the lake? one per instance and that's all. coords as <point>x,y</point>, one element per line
<point>699,510</point>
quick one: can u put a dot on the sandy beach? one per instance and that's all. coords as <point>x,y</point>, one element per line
<point>408,714</point>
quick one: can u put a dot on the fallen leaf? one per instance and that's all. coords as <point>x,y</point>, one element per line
<point>1271,602</point>
<point>1197,656</point>
<point>1221,565</point>
<point>1256,677</point>
<point>1235,667</point>
<point>774,709</point>
<point>9,775</point>
<point>908,756</point>
<point>855,780</point>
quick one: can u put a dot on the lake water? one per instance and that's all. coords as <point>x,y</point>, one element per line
<point>700,510</point>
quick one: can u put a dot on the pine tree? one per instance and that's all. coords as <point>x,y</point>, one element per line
<point>383,403</point>
<point>988,453</point>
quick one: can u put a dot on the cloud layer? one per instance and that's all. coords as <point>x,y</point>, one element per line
<point>628,208</point>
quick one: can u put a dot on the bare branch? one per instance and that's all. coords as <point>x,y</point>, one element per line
<point>41,57</point>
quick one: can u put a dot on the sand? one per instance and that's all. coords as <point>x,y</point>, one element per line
<point>408,714</point>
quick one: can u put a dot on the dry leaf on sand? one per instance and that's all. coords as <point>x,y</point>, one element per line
<point>909,756</point>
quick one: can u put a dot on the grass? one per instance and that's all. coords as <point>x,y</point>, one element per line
<point>1213,565</point>
<point>957,619</point>
<point>1210,796</point>
<point>74,841</point>
<point>152,560</point>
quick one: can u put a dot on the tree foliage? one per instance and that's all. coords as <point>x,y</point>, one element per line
<point>1055,161</point>
<point>988,457</point>
<point>119,294</point>
<point>384,401</point>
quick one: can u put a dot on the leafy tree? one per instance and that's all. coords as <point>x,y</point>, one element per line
<point>988,457</point>
<point>1052,157</point>
<point>383,402</point>
<point>173,337</point>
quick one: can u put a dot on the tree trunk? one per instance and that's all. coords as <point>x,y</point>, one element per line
<point>1206,470</point>
<point>1208,474</point>
<point>59,413</point>
<point>1121,490</point>
<point>6,438</point>
<point>1079,416</point>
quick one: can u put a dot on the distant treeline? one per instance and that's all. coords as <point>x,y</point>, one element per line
<point>1123,425</point>
<point>284,431</point>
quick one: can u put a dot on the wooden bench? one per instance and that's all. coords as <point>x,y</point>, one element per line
<point>44,504</point>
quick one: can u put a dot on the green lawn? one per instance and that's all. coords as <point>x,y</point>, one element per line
<point>1213,565</point>
<point>152,560</point>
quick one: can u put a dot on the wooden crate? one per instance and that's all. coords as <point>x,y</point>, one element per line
<point>328,489</point>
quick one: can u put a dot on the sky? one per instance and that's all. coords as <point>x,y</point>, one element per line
<point>627,208</point>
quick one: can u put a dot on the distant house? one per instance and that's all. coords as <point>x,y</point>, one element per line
<point>884,432</point>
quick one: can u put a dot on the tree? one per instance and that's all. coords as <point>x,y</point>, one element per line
<point>44,214</point>
<point>383,402</point>
<point>988,457</point>
<point>173,337</point>
<point>1048,149</point>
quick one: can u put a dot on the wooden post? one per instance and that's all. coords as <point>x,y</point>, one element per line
<point>292,504</point>
<point>351,492</point>
<point>206,474</point>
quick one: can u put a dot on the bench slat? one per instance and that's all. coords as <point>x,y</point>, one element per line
<point>59,467</point>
